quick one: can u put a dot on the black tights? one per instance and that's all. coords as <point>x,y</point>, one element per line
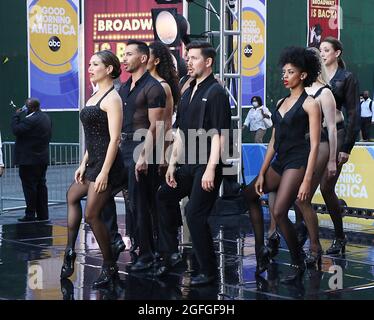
<point>287,187</point>
<point>327,190</point>
<point>95,203</point>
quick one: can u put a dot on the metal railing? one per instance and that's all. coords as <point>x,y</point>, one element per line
<point>63,161</point>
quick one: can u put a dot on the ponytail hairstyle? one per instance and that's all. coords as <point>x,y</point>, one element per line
<point>337,45</point>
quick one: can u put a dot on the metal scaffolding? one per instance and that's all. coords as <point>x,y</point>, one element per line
<point>230,62</point>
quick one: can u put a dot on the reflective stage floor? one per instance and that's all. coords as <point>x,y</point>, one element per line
<point>31,256</point>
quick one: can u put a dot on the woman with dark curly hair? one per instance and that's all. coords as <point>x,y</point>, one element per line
<point>290,172</point>
<point>345,89</point>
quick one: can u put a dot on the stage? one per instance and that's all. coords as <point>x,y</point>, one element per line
<point>31,256</point>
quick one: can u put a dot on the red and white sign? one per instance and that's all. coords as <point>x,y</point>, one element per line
<point>323,20</point>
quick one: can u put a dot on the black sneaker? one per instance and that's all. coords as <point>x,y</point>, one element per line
<point>27,218</point>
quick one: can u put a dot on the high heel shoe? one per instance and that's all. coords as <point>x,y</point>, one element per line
<point>108,275</point>
<point>263,260</point>
<point>296,274</point>
<point>314,259</point>
<point>273,243</point>
<point>337,246</point>
<point>67,268</point>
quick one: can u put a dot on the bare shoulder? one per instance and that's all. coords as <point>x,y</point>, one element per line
<point>327,93</point>
<point>310,104</point>
<point>111,101</point>
<point>166,87</point>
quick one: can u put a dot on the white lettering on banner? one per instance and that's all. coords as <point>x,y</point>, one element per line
<point>350,183</point>
<point>251,33</point>
<point>124,25</point>
<point>51,20</point>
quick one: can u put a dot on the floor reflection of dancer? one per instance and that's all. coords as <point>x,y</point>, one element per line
<point>101,169</point>
<point>346,92</point>
<point>325,167</point>
<point>291,171</point>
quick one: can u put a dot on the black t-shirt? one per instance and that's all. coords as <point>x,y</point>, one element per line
<point>217,112</point>
<point>148,93</point>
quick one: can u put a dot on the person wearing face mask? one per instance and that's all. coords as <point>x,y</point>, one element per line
<point>31,153</point>
<point>366,116</point>
<point>258,119</point>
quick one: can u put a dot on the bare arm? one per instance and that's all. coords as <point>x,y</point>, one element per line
<point>175,155</point>
<point>314,113</point>
<point>328,105</point>
<point>154,115</point>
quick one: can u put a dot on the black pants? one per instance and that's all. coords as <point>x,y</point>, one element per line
<point>139,204</point>
<point>109,218</point>
<point>35,189</point>
<point>365,127</point>
<point>197,211</point>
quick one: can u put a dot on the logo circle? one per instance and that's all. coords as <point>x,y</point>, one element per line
<point>248,50</point>
<point>54,43</point>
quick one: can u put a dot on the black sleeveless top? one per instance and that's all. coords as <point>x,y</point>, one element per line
<point>96,130</point>
<point>290,129</point>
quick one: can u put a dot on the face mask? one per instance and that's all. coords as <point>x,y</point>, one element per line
<point>255,104</point>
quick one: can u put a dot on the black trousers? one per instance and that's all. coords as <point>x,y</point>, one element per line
<point>365,127</point>
<point>33,178</point>
<point>109,218</point>
<point>139,203</point>
<point>197,211</point>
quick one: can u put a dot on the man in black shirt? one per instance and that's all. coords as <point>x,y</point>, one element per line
<point>144,101</point>
<point>197,178</point>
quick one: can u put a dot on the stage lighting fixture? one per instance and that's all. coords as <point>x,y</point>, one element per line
<point>165,26</point>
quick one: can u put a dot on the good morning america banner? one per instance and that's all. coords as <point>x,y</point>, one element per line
<point>53,53</point>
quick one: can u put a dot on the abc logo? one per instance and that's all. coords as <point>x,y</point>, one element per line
<point>54,43</point>
<point>248,51</point>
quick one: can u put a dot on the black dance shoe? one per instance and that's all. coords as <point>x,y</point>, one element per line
<point>27,218</point>
<point>314,259</point>
<point>296,275</point>
<point>141,265</point>
<point>67,289</point>
<point>337,246</point>
<point>273,243</point>
<point>263,260</point>
<point>118,247</point>
<point>202,280</point>
<point>107,276</point>
<point>68,267</point>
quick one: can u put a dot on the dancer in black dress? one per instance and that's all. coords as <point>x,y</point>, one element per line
<point>325,166</point>
<point>101,170</point>
<point>291,171</point>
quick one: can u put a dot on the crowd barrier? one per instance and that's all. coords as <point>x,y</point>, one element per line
<point>63,161</point>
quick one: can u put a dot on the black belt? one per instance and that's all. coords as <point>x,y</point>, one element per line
<point>126,136</point>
